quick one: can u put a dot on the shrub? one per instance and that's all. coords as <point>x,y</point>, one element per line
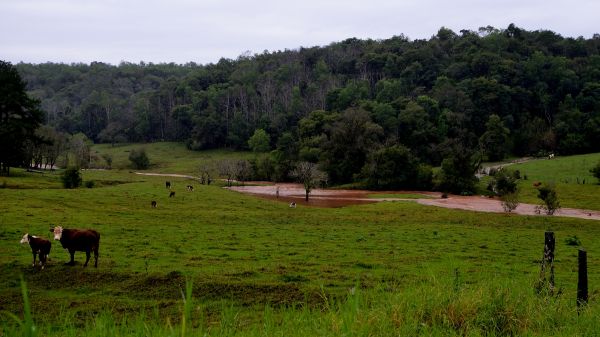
<point>503,182</point>
<point>89,184</point>
<point>517,174</point>
<point>573,241</point>
<point>510,201</point>
<point>139,159</point>
<point>108,159</point>
<point>595,171</point>
<point>547,193</point>
<point>71,178</point>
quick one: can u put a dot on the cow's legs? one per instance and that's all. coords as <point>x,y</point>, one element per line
<point>43,258</point>
<point>72,262</point>
<point>87,257</point>
<point>96,257</point>
<point>33,259</point>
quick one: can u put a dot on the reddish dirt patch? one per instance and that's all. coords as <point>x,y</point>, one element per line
<point>339,198</point>
<point>318,197</point>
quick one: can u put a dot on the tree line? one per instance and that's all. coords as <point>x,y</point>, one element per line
<point>381,112</point>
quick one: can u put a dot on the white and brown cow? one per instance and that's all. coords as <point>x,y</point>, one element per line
<point>78,240</point>
<point>39,246</point>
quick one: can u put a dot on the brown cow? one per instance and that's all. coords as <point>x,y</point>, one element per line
<point>78,240</point>
<point>39,246</point>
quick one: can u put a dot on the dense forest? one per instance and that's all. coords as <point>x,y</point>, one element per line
<point>378,111</point>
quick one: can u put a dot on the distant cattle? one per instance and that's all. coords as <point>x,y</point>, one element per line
<point>292,204</point>
<point>551,156</point>
<point>78,240</point>
<point>153,204</point>
<point>537,184</point>
<point>190,188</point>
<point>172,194</point>
<point>168,184</point>
<point>39,246</point>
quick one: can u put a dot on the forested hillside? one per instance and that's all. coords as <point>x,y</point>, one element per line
<point>352,106</point>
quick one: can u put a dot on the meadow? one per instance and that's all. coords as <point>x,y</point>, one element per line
<point>216,262</point>
<point>575,185</point>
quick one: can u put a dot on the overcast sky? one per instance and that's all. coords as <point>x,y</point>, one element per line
<point>203,31</point>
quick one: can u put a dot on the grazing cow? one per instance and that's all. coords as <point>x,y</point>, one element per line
<point>292,204</point>
<point>168,184</point>
<point>172,194</point>
<point>153,203</point>
<point>551,156</point>
<point>190,188</point>
<point>39,246</point>
<point>78,240</point>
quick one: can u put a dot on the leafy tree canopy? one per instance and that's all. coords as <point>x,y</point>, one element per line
<point>20,116</point>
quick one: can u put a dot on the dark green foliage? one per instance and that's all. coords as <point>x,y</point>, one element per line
<point>573,241</point>
<point>139,159</point>
<point>71,178</point>
<point>596,171</point>
<point>263,167</point>
<point>20,116</point>
<point>547,193</point>
<point>352,137</point>
<point>394,167</point>
<point>504,182</point>
<point>260,141</point>
<point>494,140</point>
<point>90,184</point>
<point>458,171</point>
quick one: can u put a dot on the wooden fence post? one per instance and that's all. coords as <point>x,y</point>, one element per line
<point>582,282</point>
<point>548,262</point>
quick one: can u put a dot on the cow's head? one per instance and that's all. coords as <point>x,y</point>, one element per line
<point>25,238</point>
<point>57,232</point>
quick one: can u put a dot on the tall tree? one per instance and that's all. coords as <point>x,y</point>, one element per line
<point>353,136</point>
<point>494,140</point>
<point>20,116</point>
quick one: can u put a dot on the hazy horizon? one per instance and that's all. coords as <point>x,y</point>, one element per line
<point>184,31</point>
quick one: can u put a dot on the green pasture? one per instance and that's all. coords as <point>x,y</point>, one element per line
<point>257,267</point>
<point>165,157</point>
<point>576,186</point>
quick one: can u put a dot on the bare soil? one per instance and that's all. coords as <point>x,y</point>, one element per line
<point>339,198</point>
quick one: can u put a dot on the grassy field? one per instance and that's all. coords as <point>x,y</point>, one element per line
<point>257,267</point>
<point>166,157</point>
<point>576,186</point>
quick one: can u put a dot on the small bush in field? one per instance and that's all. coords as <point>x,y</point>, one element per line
<point>139,159</point>
<point>510,201</point>
<point>547,193</point>
<point>89,184</point>
<point>573,241</point>
<point>71,178</point>
<point>595,171</point>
